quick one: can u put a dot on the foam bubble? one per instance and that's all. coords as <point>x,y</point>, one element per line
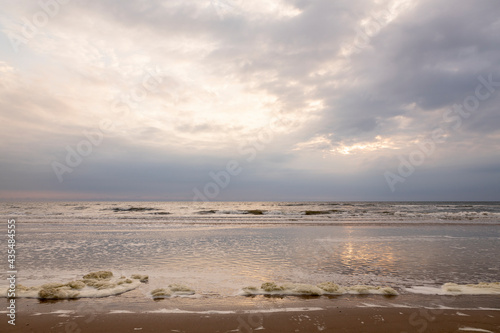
<point>186,311</point>
<point>483,288</point>
<point>172,291</point>
<point>473,329</point>
<point>325,288</point>
<point>142,278</point>
<point>96,284</point>
<point>303,309</point>
<point>119,311</point>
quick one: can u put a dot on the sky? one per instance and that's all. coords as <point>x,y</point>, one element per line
<point>232,100</point>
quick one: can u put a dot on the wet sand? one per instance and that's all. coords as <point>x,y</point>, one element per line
<point>330,320</point>
<point>260,314</point>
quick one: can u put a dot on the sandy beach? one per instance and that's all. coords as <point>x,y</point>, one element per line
<point>260,314</point>
<point>331,320</point>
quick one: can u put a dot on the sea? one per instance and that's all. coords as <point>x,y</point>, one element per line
<point>235,250</point>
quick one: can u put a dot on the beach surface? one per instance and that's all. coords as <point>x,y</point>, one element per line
<point>262,314</point>
<point>293,319</point>
<point>245,267</point>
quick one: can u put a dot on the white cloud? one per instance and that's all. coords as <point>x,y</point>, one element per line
<point>228,66</point>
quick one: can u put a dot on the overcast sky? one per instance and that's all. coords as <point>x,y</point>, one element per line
<point>250,100</point>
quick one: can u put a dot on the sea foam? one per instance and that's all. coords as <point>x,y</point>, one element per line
<point>172,291</point>
<point>483,288</point>
<point>325,288</point>
<point>95,284</point>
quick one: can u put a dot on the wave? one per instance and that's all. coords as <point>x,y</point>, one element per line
<point>132,209</point>
<point>342,212</point>
<point>320,212</point>
<point>205,212</point>
<point>326,288</point>
<point>246,211</point>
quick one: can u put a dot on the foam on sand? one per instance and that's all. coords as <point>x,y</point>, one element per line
<point>142,278</point>
<point>483,288</point>
<point>172,291</point>
<point>120,311</point>
<point>325,288</point>
<point>95,284</point>
<point>303,309</point>
<point>473,329</point>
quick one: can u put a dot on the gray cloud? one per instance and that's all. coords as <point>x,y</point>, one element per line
<point>226,74</point>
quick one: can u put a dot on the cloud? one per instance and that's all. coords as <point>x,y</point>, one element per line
<point>356,85</point>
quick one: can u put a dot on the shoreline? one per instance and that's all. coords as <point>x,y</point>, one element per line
<point>374,313</point>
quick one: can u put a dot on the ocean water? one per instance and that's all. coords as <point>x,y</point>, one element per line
<point>219,249</point>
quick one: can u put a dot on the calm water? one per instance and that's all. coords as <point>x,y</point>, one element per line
<point>222,247</point>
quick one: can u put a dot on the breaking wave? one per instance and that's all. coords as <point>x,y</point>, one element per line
<point>132,209</point>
